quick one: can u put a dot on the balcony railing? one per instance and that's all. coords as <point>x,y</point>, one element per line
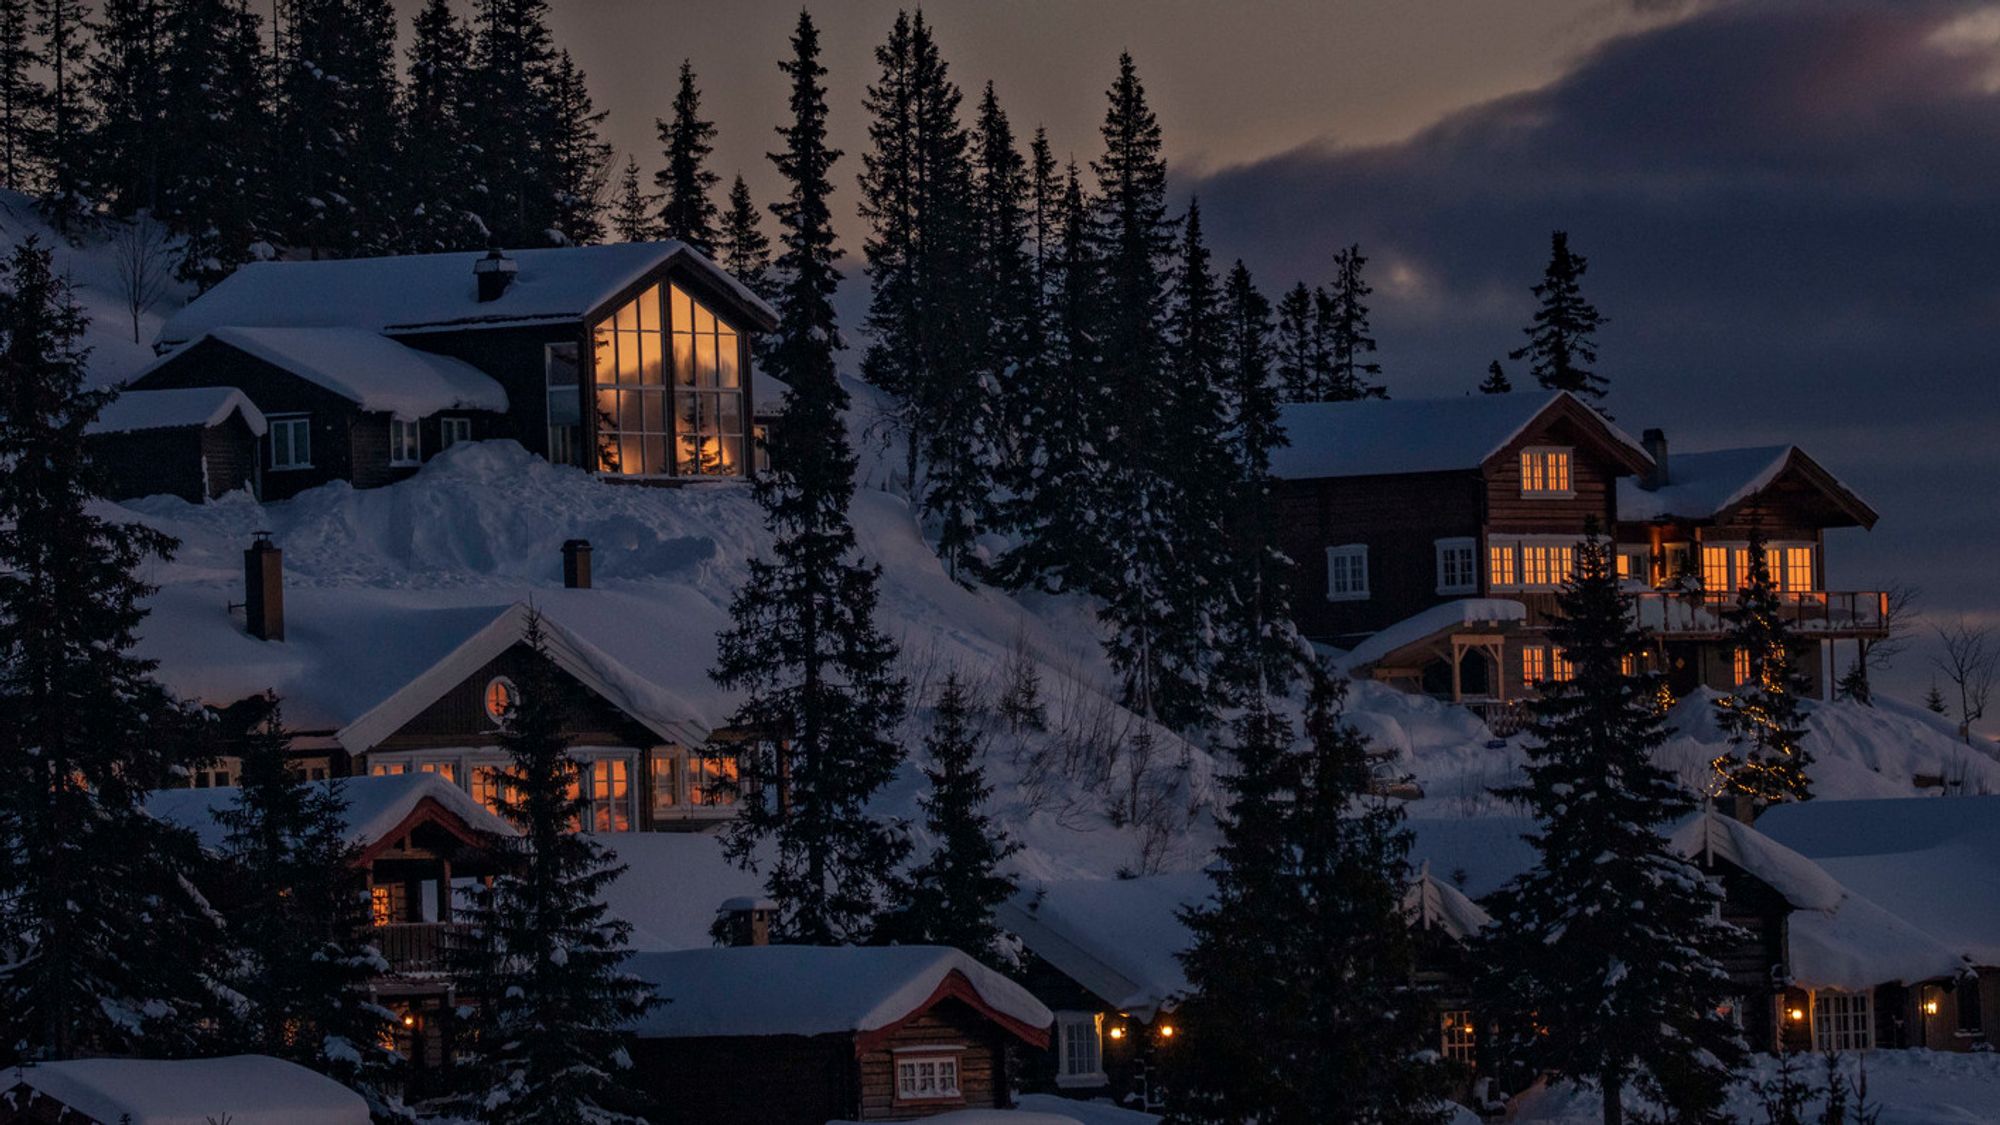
<point>413,948</point>
<point>1696,614</point>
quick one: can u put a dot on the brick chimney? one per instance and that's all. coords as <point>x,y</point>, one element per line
<point>576,564</point>
<point>1655,442</point>
<point>264,589</point>
<point>495,273</point>
<point>745,921</point>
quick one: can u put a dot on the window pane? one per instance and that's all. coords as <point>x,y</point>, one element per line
<point>563,406</point>
<point>559,368</point>
<point>649,310</point>
<point>630,404</point>
<point>704,360</point>
<point>631,458</point>
<point>684,359</point>
<point>729,456</point>
<point>690,454</point>
<point>628,317</point>
<point>704,321</point>
<point>604,356</point>
<point>730,413</point>
<point>726,374</point>
<point>656,453</point>
<point>683,311</point>
<point>655,412</point>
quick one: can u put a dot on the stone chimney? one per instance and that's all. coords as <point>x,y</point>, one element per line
<point>745,921</point>
<point>576,564</point>
<point>264,589</point>
<point>1655,442</point>
<point>495,273</point>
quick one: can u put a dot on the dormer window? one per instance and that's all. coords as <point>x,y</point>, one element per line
<point>1545,472</point>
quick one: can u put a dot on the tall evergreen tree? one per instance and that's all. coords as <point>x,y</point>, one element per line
<point>632,208</point>
<point>1604,957</point>
<point>1496,382</point>
<point>217,140</point>
<point>1006,282</point>
<point>578,157</point>
<point>20,93</point>
<point>335,86</point>
<point>1562,341</point>
<point>742,247</point>
<point>1767,759</point>
<point>95,888</point>
<point>1260,643</point>
<point>817,675</point>
<point>1301,1008</point>
<point>1037,190</point>
<point>687,207</point>
<point>127,85</point>
<point>437,156</point>
<point>297,914</point>
<point>546,1040</point>
<point>1294,344</point>
<point>513,67</point>
<point>1340,326</point>
<point>59,141</point>
<point>950,897</point>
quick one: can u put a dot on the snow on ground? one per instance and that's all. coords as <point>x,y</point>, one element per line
<point>241,1089</point>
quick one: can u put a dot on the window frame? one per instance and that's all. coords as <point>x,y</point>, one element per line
<point>302,420</point>
<point>1443,550</point>
<point>1072,1027</point>
<point>690,373</point>
<point>1534,665</point>
<point>1843,1021</point>
<point>611,812</point>
<point>513,694</point>
<point>1347,552</point>
<point>404,454</point>
<point>1513,550</point>
<point>1458,1036</point>
<point>572,432</point>
<point>448,425</point>
<point>1634,563</point>
<point>1553,457</point>
<point>690,771</point>
<point>939,1057</point>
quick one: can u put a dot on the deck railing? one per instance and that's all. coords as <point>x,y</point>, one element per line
<point>413,947</point>
<point>1816,611</point>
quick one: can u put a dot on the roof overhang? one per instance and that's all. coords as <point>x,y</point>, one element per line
<point>1080,965</point>
<point>427,811</point>
<point>954,986</point>
<point>1799,463</point>
<point>1614,444</point>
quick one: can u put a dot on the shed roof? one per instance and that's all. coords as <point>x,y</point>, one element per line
<point>1375,437</point>
<point>1706,485</point>
<point>241,1089</point>
<point>429,291</point>
<point>174,409</point>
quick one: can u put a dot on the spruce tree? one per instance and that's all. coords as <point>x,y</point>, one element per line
<point>437,156</point>
<point>1260,642</point>
<point>95,888</point>
<point>19,95</point>
<point>335,124</point>
<point>1294,345</point>
<point>950,897</point>
<point>742,248</point>
<point>1934,700</point>
<point>817,675</point>
<point>1340,322</point>
<point>217,138</point>
<point>632,215</point>
<point>513,121</point>
<point>298,919</point>
<point>1767,760</point>
<point>60,138</point>
<point>687,209</point>
<point>1603,962</point>
<point>1006,287</point>
<point>1033,192</point>
<point>578,158</point>
<point>1562,341</point>
<point>126,84</point>
<point>541,959</point>
<point>1496,381</point>
<point>1301,1007</point>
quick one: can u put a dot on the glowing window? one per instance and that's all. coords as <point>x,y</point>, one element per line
<point>1635,564</point>
<point>1715,576</point>
<point>501,698</point>
<point>446,770</point>
<point>1739,667</point>
<point>1458,1037</point>
<point>1502,570</point>
<point>632,427</point>
<point>1561,669</point>
<point>1546,564</point>
<point>712,781</point>
<point>489,786</point>
<point>666,765</point>
<point>387,769</point>
<point>1545,472</point>
<point>927,1078</point>
<point>1792,568</point>
<point>1534,665</point>
<point>381,906</point>
<point>708,391</point>
<point>608,792</point>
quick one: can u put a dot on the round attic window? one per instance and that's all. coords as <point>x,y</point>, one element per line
<point>501,697</point>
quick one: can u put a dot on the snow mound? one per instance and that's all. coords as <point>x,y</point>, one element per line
<point>241,1089</point>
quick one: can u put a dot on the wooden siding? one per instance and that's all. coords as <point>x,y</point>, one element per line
<point>458,718</point>
<point>150,462</point>
<point>514,358</point>
<point>982,1064</point>
<point>1592,478</point>
<point>761,1080</point>
<point>1399,518</point>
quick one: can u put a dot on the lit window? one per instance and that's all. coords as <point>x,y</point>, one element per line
<point>381,906</point>
<point>1534,665</point>
<point>1842,1022</point>
<point>1561,669</point>
<point>608,791</point>
<point>1545,472</point>
<point>1628,664</point>
<point>1457,1036</point>
<point>1457,566</point>
<point>927,1078</point>
<point>489,785</point>
<point>1791,568</point>
<point>405,445</point>
<point>387,769</point>
<point>632,361</point>
<point>712,781</point>
<point>631,389</point>
<point>1502,571</point>
<point>1546,564</point>
<point>666,764</point>
<point>451,431</point>
<point>1635,564</point>
<point>446,770</point>
<point>708,395</point>
<point>1347,573</point>
<point>559,378</point>
<point>1739,667</point>
<point>500,698</point>
<point>1715,576</point>
<point>291,441</point>
<point>1080,1048</point>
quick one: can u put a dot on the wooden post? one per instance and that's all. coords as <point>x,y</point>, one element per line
<point>444,889</point>
<point>1457,656</point>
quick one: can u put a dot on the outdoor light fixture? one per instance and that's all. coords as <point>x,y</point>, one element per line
<point>1166,1031</point>
<point>1931,1007</point>
<point>1117,1033</point>
<point>1798,1014</point>
<point>409,1021</point>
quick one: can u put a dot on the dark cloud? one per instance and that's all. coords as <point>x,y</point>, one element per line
<point>1792,214</point>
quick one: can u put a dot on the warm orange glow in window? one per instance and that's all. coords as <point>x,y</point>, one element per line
<point>388,769</point>
<point>500,698</point>
<point>708,391</point>
<point>1563,669</point>
<point>1545,472</point>
<point>610,795</point>
<point>446,770</point>
<point>712,781</point>
<point>1500,569</point>
<point>381,907</point>
<point>664,339</point>
<point>1534,665</point>
<point>1739,669</point>
<point>1545,564</point>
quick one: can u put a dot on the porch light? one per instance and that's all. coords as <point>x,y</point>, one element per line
<point>409,1021</point>
<point>1931,1006</point>
<point>1798,1015</point>
<point>1117,1033</point>
<point>1166,1031</point>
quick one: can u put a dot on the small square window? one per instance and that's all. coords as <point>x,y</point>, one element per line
<point>1347,573</point>
<point>405,445</point>
<point>1458,566</point>
<point>927,1078</point>
<point>1546,472</point>
<point>291,441</point>
<point>451,431</point>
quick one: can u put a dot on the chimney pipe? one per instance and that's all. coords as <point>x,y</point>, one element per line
<point>264,589</point>
<point>576,564</point>
<point>495,273</point>
<point>1655,442</point>
<point>745,921</point>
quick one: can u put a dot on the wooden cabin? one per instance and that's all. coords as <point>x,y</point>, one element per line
<point>196,444</point>
<point>800,1035</point>
<point>239,1089</point>
<point>632,361</point>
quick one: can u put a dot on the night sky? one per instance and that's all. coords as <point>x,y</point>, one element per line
<point>1791,211</point>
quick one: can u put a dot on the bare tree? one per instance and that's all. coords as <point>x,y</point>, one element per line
<point>140,247</point>
<point>1900,621</point>
<point>1971,662</point>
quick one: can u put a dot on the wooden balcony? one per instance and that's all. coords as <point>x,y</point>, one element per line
<point>1830,615</point>
<point>414,948</point>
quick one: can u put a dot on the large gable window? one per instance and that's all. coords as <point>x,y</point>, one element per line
<point>665,342</point>
<point>631,389</point>
<point>708,391</point>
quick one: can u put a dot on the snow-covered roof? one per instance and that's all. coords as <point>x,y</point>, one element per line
<point>813,990</point>
<point>172,409</point>
<point>1439,619</point>
<point>1433,904</point>
<point>240,1089</point>
<point>1119,938</point>
<point>375,806</point>
<point>369,369</point>
<point>1703,485</point>
<point>1372,437</point>
<point>672,887</point>
<point>419,291</point>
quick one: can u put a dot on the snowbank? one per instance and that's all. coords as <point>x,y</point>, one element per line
<point>241,1089</point>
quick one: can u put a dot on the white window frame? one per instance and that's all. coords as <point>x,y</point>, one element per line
<point>1468,548</point>
<point>406,443</point>
<point>678,793</point>
<point>1515,548</point>
<point>1458,1036</point>
<point>587,761</point>
<point>295,426</point>
<point>452,429</point>
<point>1546,453</point>
<point>1843,1021</point>
<point>915,1087</point>
<point>563,439</point>
<point>1638,562</point>
<point>1076,1029</point>
<point>1347,552</point>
